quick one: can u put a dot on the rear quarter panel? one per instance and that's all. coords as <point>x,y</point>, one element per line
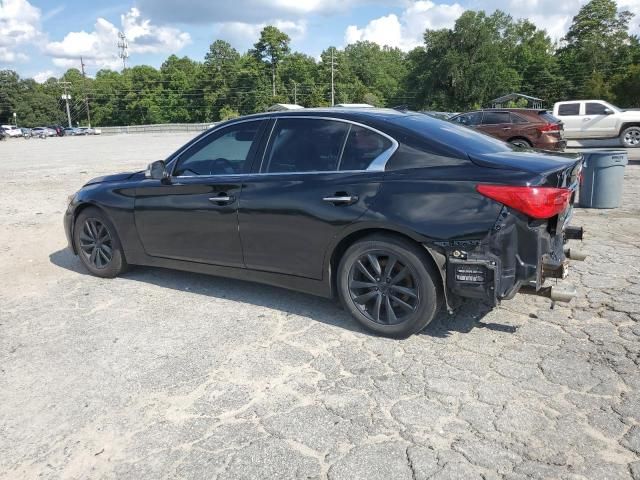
<point>440,202</point>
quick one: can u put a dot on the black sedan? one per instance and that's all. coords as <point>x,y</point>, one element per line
<point>396,213</point>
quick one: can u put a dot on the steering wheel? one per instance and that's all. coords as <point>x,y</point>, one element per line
<point>221,166</point>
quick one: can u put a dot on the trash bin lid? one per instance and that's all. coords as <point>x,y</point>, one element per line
<point>605,158</point>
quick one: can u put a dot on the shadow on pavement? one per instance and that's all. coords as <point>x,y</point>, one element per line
<point>467,317</point>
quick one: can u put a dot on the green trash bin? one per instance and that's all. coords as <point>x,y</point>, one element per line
<point>602,178</point>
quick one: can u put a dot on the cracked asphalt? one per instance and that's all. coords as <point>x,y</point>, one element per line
<point>162,374</point>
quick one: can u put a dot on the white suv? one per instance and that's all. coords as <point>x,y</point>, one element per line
<point>11,131</point>
<point>584,119</point>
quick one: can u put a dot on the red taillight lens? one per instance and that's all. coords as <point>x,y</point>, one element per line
<point>536,202</point>
<point>550,127</point>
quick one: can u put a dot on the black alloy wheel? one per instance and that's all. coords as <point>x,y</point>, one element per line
<point>96,243</point>
<point>383,287</point>
<point>389,284</point>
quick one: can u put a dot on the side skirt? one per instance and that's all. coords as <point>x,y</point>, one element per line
<point>319,288</point>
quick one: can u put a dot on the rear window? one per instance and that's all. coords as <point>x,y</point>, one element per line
<point>548,117</point>
<point>363,147</point>
<point>493,118</point>
<point>449,139</point>
<point>569,109</point>
<point>518,119</point>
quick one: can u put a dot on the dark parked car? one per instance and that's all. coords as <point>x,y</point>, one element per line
<point>395,213</point>
<point>518,126</point>
<point>58,129</point>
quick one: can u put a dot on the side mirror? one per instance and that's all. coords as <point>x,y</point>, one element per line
<point>156,170</point>
<point>608,111</point>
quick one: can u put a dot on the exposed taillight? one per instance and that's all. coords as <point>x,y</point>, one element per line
<point>550,127</point>
<point>536,202</point>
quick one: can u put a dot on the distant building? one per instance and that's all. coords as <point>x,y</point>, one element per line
<point>502,102</point>
<point>282,107</point>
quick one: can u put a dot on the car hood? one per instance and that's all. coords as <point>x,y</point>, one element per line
<point>116,177</point>
<point>630,114</point>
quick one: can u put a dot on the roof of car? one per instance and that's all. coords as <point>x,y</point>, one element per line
<point>337,112</point>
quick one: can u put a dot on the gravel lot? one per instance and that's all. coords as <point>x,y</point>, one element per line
<point>161,374</point>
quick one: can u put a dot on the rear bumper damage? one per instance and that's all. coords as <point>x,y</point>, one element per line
<point>518,255</point>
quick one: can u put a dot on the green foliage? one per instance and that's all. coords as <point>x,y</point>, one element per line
<point>597,46</point>
<point>482,57</point>
<point>626,86</point>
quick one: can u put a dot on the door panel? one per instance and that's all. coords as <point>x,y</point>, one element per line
<point>496,124</point>
<point>180,221</point>
<point>570,114</point>
<point>596,123</point>
<point>286,224</point>
<point>193,215</point>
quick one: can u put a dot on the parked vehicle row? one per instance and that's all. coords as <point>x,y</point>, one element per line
<point>395,213</point>
<point>45,132</point>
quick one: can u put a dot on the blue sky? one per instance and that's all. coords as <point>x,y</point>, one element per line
<point>39,38</point>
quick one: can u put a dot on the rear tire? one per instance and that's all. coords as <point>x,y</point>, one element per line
<point>389,285</point>
<point>520,142</point>
<point>630,137</point>
<point>98,245</point>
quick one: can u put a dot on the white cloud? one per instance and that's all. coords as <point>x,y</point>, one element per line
<point>99,47</point>
<point>243,35</point>
<point>19,24</point>
<point>406,31</point>
<point>42,77</point>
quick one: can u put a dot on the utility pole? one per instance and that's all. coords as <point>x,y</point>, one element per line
<point>123,46</point>
<point>332,85</point>
<point>295,93</point>
<point>66,97</point>
<point>84,86</point>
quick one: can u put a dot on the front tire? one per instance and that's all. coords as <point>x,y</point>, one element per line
<point>98,245</point>
<point>630,137</point>
<point>389,285</point>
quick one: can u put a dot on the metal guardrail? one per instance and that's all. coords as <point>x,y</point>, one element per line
<point>158,128</point>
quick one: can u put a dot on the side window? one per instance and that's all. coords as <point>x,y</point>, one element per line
<point>493,118</point>
<point>567,109</point>
<point>305,145</point>
<point>363,147</point>
<point>221,153</point>
<point>469,119</point>
<point>593,108</point>
<point>517,119</point>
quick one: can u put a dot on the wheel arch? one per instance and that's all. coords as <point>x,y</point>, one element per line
<point>628,124</point>
<point>520,137</point>
<point>79,209</point>
<point>350,238</point>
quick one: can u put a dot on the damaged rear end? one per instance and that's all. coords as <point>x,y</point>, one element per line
<point>527,244</point>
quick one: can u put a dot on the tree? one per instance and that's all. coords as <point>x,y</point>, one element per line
<point>626,87</point>
<point>466,66</point>
<point>597,42</point>
<point>182,100</point>
<point>271,48</point>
